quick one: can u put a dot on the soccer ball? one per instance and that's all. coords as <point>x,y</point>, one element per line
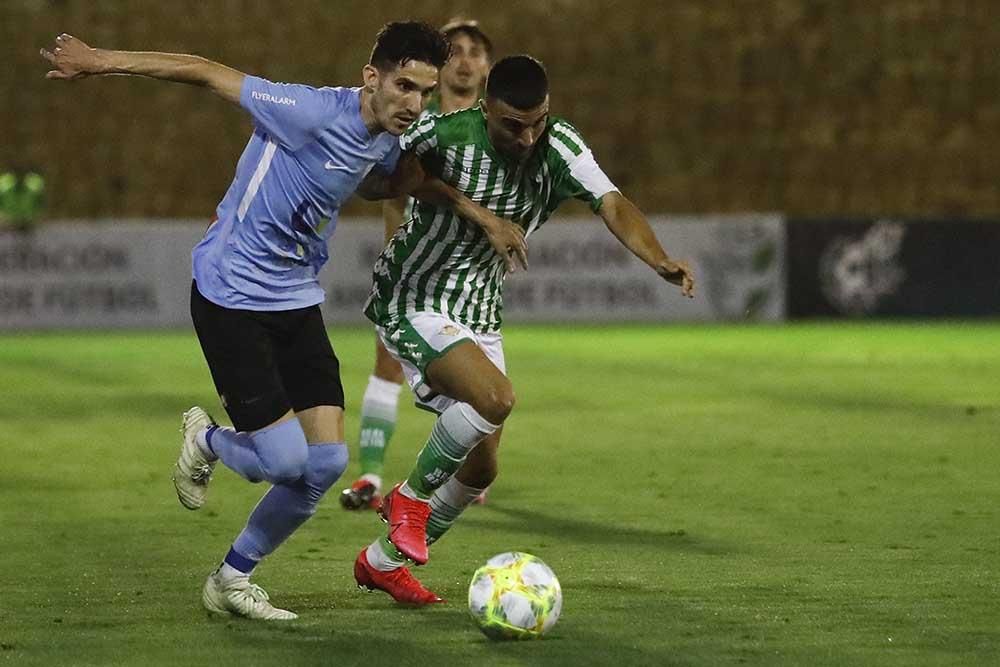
<point>515,596</point>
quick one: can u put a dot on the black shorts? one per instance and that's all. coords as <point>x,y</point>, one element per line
<point>265,363</point>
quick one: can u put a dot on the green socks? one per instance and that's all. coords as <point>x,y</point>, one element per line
<point>455,433</point>
<point>378,421</point>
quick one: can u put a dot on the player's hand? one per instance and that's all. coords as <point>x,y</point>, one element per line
<point>71,59</point>
<point>678,273</point>
<point>507,238</point>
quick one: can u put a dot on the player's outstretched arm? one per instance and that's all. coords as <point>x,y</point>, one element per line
<point>72,58</point>
<point>630,226</point>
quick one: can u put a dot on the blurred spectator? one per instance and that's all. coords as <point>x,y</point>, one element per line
<point>22,199</point>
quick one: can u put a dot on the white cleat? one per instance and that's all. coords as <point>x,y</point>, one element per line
<point>193,470</point>
<point>241,598</point>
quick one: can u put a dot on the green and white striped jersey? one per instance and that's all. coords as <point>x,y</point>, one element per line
<point>433,108</point>
<point>441,263</point>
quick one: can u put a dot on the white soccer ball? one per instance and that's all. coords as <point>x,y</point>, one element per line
<point>515,596</point>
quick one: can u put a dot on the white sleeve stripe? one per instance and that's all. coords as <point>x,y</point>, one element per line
<point>564,151</point>
<point>425,146</point>
<point>418,143</point>
<point>584,168</point>
<point>256,179</point>
<point>570,132</point>
<point>423,124</point>
<point>420,136</point>
<point>588,173</point>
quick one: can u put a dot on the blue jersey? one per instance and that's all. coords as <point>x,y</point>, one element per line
<point>309,152</point>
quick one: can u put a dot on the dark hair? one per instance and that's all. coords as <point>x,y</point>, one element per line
<point>468,27</point>
<point>399,42</point>
<point>520,81</point>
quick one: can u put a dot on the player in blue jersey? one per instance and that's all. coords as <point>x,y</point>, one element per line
<point>255,295</point>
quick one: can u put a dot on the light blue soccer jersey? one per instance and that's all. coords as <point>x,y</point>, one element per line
<point>309,152</point>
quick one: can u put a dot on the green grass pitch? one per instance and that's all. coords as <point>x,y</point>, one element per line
<point>806,494</point>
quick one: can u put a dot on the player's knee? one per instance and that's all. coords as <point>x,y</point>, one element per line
<point>286,466</point>
<point>283,451</point>
<point>326,465</point>
<point>497,402</point>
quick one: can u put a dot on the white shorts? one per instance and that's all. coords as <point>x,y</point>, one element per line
<point>420,338</point>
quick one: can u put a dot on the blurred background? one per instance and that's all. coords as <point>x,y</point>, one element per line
<point>843,111</point>
<point>829,107</point>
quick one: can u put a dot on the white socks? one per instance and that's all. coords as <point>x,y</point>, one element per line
<point>381,399</point>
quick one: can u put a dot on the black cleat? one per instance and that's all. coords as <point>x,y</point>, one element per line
<point>362,495</point>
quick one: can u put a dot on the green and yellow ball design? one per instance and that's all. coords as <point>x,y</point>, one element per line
<point>515,596</point>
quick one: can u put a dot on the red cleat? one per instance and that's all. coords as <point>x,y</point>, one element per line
<point>399,583</point>
<point>407,519</point>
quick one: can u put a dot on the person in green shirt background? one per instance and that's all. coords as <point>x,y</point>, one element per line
<point>22,199</point>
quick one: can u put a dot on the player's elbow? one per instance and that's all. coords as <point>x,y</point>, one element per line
<point>378,186</point>
<point>611,205</point>
<point>225,82</point>
<point>408,177</point>
<point>406,185</point>
<point>370,194</point>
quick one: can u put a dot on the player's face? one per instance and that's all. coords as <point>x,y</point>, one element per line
<point>514,132</point>
<point>400,95</point>
<point>466,70</point>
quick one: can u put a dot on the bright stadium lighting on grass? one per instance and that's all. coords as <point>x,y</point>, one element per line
<point>515,596</point>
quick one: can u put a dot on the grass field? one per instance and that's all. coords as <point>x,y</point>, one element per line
<point>821,494</point>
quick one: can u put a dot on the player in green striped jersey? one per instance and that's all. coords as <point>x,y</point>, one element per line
<point>437,295</point>
<point>461,84</point>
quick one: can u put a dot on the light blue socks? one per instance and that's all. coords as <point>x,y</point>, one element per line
<point>287,506</point>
